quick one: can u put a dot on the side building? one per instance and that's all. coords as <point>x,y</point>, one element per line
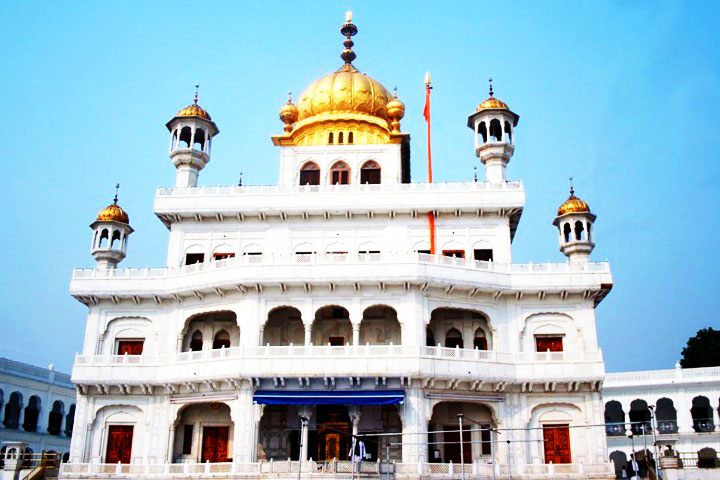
<point>656,409</point>
<point>37,407</point>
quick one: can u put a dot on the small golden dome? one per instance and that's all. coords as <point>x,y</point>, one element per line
<point>288,114</point>
<point>113,213</point>
<point>346,90</point>
<point>492,103</point>
<point>395,108</point>
<point>194,110</point>
<point>573,205</point>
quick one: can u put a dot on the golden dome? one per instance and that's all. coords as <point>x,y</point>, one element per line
<point>194,110</point>
<point>492,103</point>
<point>288,114</point>
<point>346,90</point>
<point>113,213</point>
<point>573,205</point>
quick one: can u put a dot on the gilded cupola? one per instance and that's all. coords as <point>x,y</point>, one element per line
<point>343,107</point>
<point>573,205</point>
<point>113,212</point>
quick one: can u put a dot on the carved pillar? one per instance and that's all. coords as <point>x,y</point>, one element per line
<point>354,413</point>
<point>415,414</point>
<point>356,333</point>
<point>308,334</point>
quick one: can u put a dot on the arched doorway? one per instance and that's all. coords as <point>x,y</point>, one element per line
<point>380,326</point>
<point>702,415</point>
<point>332,326</point>
<point>614,418</point>
<point>640,417</point>
<point>204,433</point>
<point>333,432</point>
<point>666,416</point>
<point>444,443</point>
<point>284,326</point>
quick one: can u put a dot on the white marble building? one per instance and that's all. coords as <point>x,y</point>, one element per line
<point>37,407</point>
<point>330,298</point>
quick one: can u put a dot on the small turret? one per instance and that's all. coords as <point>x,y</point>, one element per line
<point>574,222</point>
<point>493,124</point>
<point>111,229</point>
<point>192,131</point>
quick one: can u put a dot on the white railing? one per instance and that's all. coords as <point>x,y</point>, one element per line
<point>288,469</point>
<point>348,351</point>
<point>670,375</point>
<point>343,259</point>
<point>356,187</point>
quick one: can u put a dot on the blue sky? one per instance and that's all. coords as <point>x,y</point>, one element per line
<point>623,96</point>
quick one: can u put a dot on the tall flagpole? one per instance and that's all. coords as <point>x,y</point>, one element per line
<point>426,114</point>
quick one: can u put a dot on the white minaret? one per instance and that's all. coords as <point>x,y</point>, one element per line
<point>191,132</point>
<point>110,233</point>
<point>494,126</point>
<point>574,222</point>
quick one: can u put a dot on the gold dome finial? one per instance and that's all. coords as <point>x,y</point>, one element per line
<point>395,111</point>
<point>289,114</point>
<point>573,204</point>
<point>197,92</point>
<point>113,212</point>
<point>490,82</point>
<point>195,110</point>
<point>348,30</point>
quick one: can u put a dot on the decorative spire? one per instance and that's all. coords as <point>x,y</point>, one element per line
<point>572,190</point>
<point>117,187</point>
<point>490,82</point>
<point>197,91</point>
<point>289,102</point>
<point>348,30</point>
<point>395,91</point>
<point>475,173</point>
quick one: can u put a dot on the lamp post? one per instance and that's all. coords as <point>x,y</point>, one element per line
<point>654,427</point>
<point>462,456</point>
<point>629,434</point>
<point>492,449</point>
<point>303,426</point>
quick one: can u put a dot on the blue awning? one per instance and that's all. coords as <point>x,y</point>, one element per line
<point>329,397</point>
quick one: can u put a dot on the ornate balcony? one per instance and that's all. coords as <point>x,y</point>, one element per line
<point>390,267</point>
<point>360,361</point>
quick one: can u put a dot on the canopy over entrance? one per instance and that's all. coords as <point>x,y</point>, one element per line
<point>344,397</point>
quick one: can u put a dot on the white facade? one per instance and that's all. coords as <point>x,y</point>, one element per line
<point>678,408</point>
<point>325,289</point>
<point>37,406</point>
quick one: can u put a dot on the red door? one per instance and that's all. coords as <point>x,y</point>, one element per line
<point>557,443</point>
<point>553,344</point>
<point>119,443</point>
<point>130,347</point>
<point>214,444</point>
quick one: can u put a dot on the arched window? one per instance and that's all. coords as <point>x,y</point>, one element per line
<point>196,341</point>
<point>185,137</point>
<point>429,338</point>
<point>340,138</point>
<point>55,418</point>
<point>702,415</point>
<point>482,130</point>
<point>12,411</point>
<point>495,130</point>
<point>579,229</point>
<point>640,417</point>
<point>614,418</point>
<point>310,173</point>
<point>115,243</point>
<point>350,137</point>
<point>331,138</point>
<point>370,173</point>
<point>104,236</point>
<point>666,416</point>
<point>221,340</point>
<point>199,140</point>
<point>508,132</point>
<point>480,340</point>
<point>32,412</point>
<point>70,421</point>
<point>567,230</point>
<point>453,338</point>
<point>340,173</point>
<point>707,458</point>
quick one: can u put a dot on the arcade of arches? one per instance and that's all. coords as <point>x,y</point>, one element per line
<point>328,432</point>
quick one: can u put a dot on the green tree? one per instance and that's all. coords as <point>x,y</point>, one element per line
<point>702,350</point>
